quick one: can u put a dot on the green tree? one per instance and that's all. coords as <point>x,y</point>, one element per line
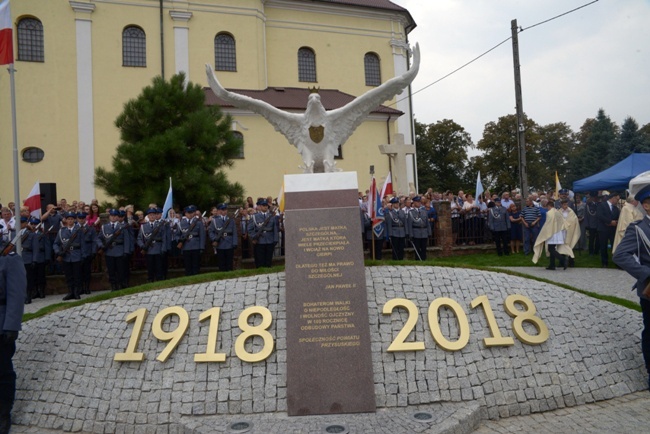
<point>499,163</point>
<point>557,149</point>
<point>629,141</point>
<point>168,131</point>
<point>596,138</point>
<point>441,154</point>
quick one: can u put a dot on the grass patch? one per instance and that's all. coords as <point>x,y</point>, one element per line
<point>478,261</point>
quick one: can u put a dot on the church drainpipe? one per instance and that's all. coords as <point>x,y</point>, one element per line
<point>162,43</point>
<point>390,167</point>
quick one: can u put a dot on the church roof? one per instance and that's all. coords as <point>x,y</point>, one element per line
<point>376,4</point>
<point>294,98</point>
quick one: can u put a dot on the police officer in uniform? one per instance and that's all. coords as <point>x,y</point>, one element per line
<point>113,240</point>
<point>192,240</point>
<point>632,255</point>
<point>224,236</point>
<point>263,233</point>
<point>27,241</point>
<point>152,239</point>
<point>39,256</point>
<point>67,248</point>
<point>13,284</point>
<point>52,220</point>
<point>395,219</point>
<point>418,228</point>
<point>88,251</point>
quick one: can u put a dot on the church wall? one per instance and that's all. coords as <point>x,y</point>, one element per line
<point>268,35</point>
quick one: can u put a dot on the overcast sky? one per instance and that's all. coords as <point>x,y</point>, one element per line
<point>598,56</point>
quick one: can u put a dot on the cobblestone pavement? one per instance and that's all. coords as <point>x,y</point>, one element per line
<point>605,281</point>
<point>621,414</point>
<point>626,414</point>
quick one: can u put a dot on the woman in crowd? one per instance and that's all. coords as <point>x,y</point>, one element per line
<point>455,216</point>
<point>516,231</point>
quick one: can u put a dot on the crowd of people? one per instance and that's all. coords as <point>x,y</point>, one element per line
<point>71,238</point>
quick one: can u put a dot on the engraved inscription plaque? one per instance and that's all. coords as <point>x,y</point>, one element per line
<point>329,364</point>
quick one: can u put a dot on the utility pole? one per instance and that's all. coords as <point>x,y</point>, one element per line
<point>521,129</point>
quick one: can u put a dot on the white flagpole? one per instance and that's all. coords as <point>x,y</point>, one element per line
<point>15,154</point>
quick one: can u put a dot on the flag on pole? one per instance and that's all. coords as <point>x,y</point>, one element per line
<point>387,187</point>
<point>281,197</point>
<point>6,39</point>
<point>558,187</point>
<point>33,201</point>
<point>479,186</point>
<point>168,202</point>
<point>375,211</point>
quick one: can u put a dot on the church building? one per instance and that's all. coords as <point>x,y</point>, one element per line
<point>79,61</point>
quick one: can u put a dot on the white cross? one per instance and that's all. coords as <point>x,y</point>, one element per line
<point>397,153</point>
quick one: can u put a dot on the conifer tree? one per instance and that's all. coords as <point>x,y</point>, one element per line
<point>168,131</point>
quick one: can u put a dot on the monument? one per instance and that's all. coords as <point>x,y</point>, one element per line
<point>317,133</point>
<point>329,364</point>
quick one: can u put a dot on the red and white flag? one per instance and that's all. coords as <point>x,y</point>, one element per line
<point>33,201</point>
<point>388,187</point>
<point>6,39</point>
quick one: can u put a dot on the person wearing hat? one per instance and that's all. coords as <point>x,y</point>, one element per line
<point>607,214</point>
<point>113,240</point>
<point>633,256</point>
<point>499,225</point>
<point>564,194</point>
<point>13,285</point>
<point>27,241</point>
<point>263,231</point>
<point>39,256</point>
<point>395,219</point>
<point>418,227</point>
<point>223,235</point>
<point>152,239</point>
<point>67,249</point>
<point>591,224</point>
<point>192,240</point>
<point>88,251</point>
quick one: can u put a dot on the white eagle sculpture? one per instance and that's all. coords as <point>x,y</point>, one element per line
<point>317,133</point>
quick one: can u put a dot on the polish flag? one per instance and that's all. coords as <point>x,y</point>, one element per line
<point>33,201</point>
<point>388,187</point>
<point>6,40</point>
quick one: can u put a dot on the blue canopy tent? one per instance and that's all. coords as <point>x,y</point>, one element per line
<point>616,177</point>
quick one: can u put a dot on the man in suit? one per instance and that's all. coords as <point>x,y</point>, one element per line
<point>633,256</point>
<point>607,214</point>
<point>13,285</point>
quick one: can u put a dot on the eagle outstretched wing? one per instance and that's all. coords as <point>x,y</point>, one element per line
<point>289,124</point>
<point>350,116</point>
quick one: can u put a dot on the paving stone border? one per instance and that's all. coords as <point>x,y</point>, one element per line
<point>68,380</point>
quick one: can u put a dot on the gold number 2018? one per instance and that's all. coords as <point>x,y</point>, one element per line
<point>497,339</point>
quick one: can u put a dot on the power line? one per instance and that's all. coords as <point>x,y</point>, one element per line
<point>521,29</point>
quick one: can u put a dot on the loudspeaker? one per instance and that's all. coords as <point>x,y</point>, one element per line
<point>48,195</point>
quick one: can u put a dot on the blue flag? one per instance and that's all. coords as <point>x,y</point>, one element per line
<point>168,201</point>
